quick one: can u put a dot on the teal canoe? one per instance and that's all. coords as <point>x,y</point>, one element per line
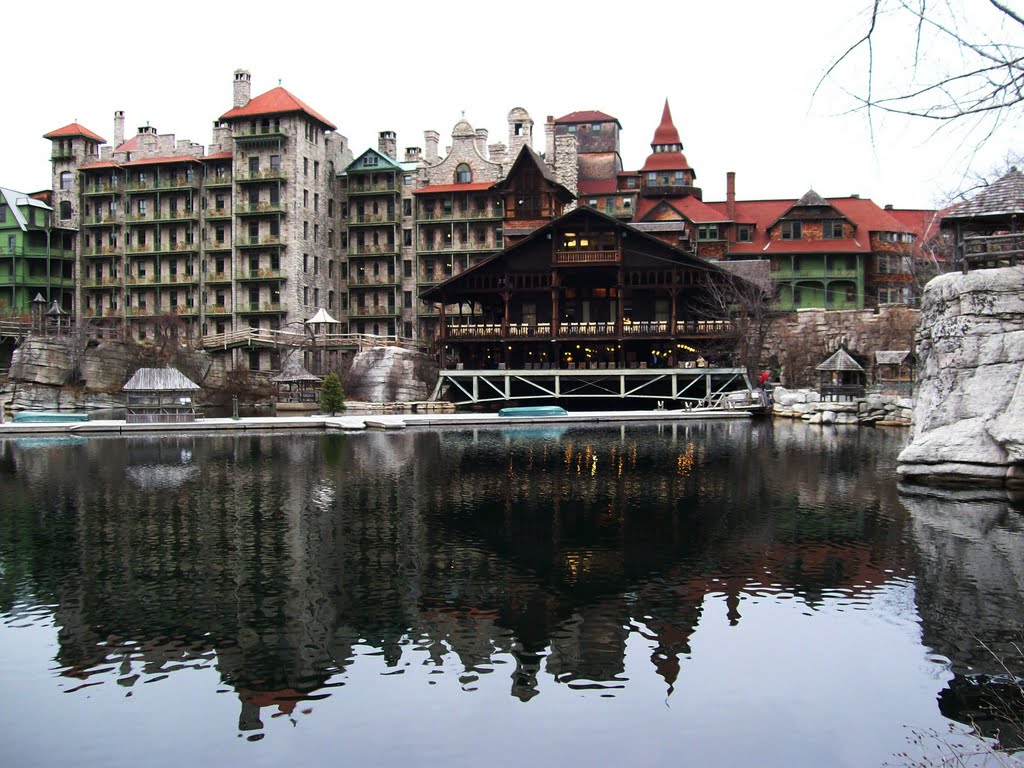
<point>533,411</point>
<point>42,417</point>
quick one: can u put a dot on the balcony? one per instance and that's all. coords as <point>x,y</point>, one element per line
<point>191,280</point>
<point>373,250</point>
<point>366,281</point>
<point>372,189</point>
<point>158,184</point>
<point>157,217</point>
<point>175,248</point>
<point>256,177</point>
<point>104,250</point>
<point>101,221</point>
<point>367,219</point>
<point>815,272</point>
<point>102,282</point>
<point>212,214</point>
<point>579,258</point>
<point>260,274</point>
<point>260,209</point>
<point>461,215</point>
<point>267,241</point>
<point>691,328</point>
<point>89,190</point>
<point>261,134</point>
<point>217,277</point>
<point>217,245</point>
<point>458,248</point>
<point>217,309</point>
<point>261,307</point>
<point>224,180</point>
<point>384,311</point>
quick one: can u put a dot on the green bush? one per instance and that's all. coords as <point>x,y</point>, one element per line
<point>332,396</point>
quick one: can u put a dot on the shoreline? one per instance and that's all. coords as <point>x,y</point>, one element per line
<point>354,422</point>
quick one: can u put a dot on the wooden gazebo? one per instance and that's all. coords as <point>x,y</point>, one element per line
<point>160,396</point>
<point>841,377</point>
<point>297,388</point>
<point>894,370</point>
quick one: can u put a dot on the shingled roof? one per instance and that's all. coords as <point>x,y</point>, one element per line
<point>840,361</point>
<point>1001,198</point>
<point>159,380</point>
<point>276,101</point>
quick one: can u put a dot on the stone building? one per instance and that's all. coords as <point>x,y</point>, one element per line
<point>175,238</point>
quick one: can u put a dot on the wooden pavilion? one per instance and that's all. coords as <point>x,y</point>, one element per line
<point>841,377</point>
<point>297,388</point>
<point>894,370</point>
<point>160,396</point>
<point>587,292</point>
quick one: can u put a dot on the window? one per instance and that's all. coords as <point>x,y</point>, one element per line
<point>744,233</point>
<point>66,180</point>
<point>316,169</point>
<point>330,299</point>
<point>406,237</point>
<point>407,299</point>
<point>463,174</point>
<point>316,202</point>
<point>832,230</point>
<point>370,161</point>
<point>707,232</point>
<point>254,165</point>
<point>305,198</point>
<point>65,210</point>
<point>305,166</point>
<point>316,265</point>
<point>305,295</point>
<point>218,202</point>
<point>305,262</point>
<point>305,230</point>
<point>792,230</point>
<point>330,208</point>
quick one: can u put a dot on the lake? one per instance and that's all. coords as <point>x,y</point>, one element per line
<point>701,593</point>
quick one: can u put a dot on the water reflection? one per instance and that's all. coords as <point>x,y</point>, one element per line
<point>285,563</point>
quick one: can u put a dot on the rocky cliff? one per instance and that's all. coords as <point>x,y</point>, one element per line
<point>969,406</point>
<point>390,375</point>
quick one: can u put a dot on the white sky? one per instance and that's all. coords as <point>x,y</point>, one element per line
<point>739,77</point>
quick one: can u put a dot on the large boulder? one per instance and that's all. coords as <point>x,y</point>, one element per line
<point>969,409</point>
<point>391,375</point>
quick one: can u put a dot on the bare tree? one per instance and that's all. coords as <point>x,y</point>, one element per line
<point>967,61</point>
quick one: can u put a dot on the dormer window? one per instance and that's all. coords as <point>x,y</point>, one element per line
<point>792,230</point>
<point>744,233</point>
<point>832,230</point>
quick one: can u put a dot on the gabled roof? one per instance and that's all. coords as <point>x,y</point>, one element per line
<point>588,116</point>
<point>811,198</point>
<point>1000,198</point>
<point>840,361</point>
<point>387,164</point>
<point>527,155</point>
<point>159,380</point>
<point>74,129</point>
<point>276,101</point>
<point>129,145</point>
<point>293,371</point>
<point>689,207</point>
<point>15,200</point>
<point>437,292</point>
<point>893,356</point>
<point>475,186</point>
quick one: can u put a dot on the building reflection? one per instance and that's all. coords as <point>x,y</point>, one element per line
<point>283,560</point>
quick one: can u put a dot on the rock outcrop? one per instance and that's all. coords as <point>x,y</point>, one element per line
<point>870,410</point>
<point>969,406</point>
<point>390,375</point>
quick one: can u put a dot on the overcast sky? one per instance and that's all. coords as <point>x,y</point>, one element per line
<point>739,77</point>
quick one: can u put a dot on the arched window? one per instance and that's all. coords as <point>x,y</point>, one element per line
<point>463,174</point>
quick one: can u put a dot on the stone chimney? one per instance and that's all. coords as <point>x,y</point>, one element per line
<point>497,153</point>
<point>243,88</point>
<point>481,143</point>
<point>118,128</point>
<point>412,154</point>
<point>730,195</point>
<point>431,139</point>
<point>549,140</point>
<point>565,165</point>
<point>387,144</point>
<point>520,131</point>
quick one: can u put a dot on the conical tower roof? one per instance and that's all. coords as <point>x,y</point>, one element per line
<point>667,154</point>
<point>666,132</point>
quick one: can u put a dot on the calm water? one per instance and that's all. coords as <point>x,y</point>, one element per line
<point>708,594</point>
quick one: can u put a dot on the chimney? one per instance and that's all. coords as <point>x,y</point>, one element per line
<point>118,128</point>
<point>549,141</point>
<point>481,143</point>
<point>888,206</point>
<point>243,88</point>
<point>387,144</point>
<point>430,140</point>
<point>412,154</point>
<point>730,195</point>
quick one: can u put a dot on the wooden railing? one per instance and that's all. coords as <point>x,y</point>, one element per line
<point>715,328</point>
<point>993,250</point>
<point>586,257</point>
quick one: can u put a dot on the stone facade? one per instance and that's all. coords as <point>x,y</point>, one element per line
<point>969,413</point>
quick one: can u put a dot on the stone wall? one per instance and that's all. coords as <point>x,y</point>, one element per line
<point>801,340</point>
<point>870,410</point>
<point>389,375</point>
<point>969,411</point>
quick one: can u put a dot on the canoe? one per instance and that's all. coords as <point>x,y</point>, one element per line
<point>43,417</point>
<point>533,411</point>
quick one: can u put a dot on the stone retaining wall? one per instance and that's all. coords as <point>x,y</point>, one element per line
<point>870,410</point>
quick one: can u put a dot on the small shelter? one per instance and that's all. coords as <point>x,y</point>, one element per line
<point>319,325</point>
<point>58,321</point>
<point>894,370</point>
<point>160,396</point>
<point>841,377</point>
<point>297,388</point>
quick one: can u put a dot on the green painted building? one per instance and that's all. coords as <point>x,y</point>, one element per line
<point>35,257</point>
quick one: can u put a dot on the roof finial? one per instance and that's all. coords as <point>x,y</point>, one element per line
<point>279,81</point>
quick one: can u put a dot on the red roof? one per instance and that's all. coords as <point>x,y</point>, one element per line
<point>99,164</point>
<point>157,160</point>
<point>666,132</point>
<point>923,223</point>
<point>476,186</point>
<point>588,116</point>
<point>128,146</point>
<point>276,101</point>
<point>599,187</point>
<point>689,206</point>
<point>666,161</point>
<point>74,129</point>
<point>219,156</point>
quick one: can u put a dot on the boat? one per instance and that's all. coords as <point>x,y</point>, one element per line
<point>533,411</point>
<point>45,417</point>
